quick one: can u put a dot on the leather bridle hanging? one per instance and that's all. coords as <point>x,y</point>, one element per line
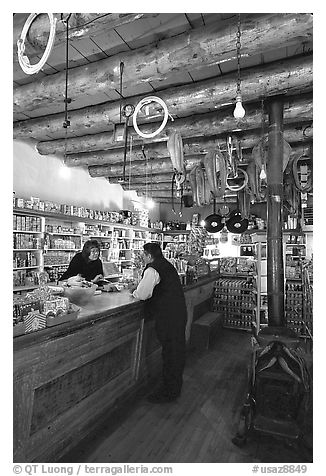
<point>304,186</point>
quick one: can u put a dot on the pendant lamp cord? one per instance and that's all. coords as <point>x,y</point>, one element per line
<point>121,77</point>
<point>238,47</point>
<point>66,122</point>
<point>130,151</point>
<point>146,175</point>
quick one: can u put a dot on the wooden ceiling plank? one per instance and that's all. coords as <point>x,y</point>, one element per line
<point>204,46</point>
<point>81,25</point>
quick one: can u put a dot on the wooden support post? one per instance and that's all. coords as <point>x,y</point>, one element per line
<point>275,267</point>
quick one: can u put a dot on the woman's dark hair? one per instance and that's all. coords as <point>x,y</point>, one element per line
<point>153,249</point>
<point>88,245</point>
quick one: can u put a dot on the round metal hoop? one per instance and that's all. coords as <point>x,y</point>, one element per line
<point>137,109</point>
<point>237,188</point>
<point>23,59</point>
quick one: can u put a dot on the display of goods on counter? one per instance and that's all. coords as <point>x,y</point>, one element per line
<point>197,240</point>
<point>41,308</point>
<point>246,266</point>
<point>23,277</point>
<point>56,272</point>
<point>228,265</point>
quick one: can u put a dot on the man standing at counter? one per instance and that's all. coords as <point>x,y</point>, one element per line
<point>161,289</point>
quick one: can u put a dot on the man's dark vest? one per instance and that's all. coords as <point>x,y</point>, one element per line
<point>167,304</point>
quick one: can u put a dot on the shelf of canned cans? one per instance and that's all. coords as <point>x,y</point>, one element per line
<point>298,311</point>
<point>234,297</point>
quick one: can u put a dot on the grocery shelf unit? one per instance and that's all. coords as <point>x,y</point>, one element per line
<point>298,286</point>
<point>28,232</point>
<point>62,240</point>
<point>233,296</point>
<point>60,236</point>
<point>175,241</point>
<point>260,250</point>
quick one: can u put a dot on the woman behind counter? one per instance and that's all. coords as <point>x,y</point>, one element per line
<point>86,263</point>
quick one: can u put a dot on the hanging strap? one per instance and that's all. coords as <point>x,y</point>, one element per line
<point>172,193</point>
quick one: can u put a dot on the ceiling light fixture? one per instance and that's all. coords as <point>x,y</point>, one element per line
<point>239,111</point>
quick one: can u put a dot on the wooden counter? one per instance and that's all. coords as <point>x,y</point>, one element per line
<point>69,377</point>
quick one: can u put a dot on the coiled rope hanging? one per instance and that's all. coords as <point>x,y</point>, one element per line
<point>144,102</point>
<point>24,62</point>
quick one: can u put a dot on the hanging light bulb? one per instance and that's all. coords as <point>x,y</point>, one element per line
<point>263,175</point>
<point>239,111</point>
<point>64,171</point>
<point>150,203</point>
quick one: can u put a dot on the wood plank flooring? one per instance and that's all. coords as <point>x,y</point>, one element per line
<point>199,427</point>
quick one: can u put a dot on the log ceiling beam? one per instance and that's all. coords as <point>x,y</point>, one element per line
<point>81,25</point>
<point>141,180</point>
<point>205,46</point>
<point>296,109</point>
<point>162,166</point>
<point>166,198</point>
<point>291,76</point>
<point>163,181</point>
<point>103,160</point>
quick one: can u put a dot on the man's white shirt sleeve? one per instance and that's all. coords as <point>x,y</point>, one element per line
<point>146,286</point>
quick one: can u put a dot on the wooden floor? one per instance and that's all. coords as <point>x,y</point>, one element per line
<point>198,428</point>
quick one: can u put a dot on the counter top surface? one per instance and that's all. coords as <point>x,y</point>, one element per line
<point>100,306</point>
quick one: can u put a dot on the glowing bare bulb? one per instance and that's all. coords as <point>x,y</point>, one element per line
<point>263,175</point>
<point>64,172</point>
<point>150,203</point>
<point>239,111</point>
